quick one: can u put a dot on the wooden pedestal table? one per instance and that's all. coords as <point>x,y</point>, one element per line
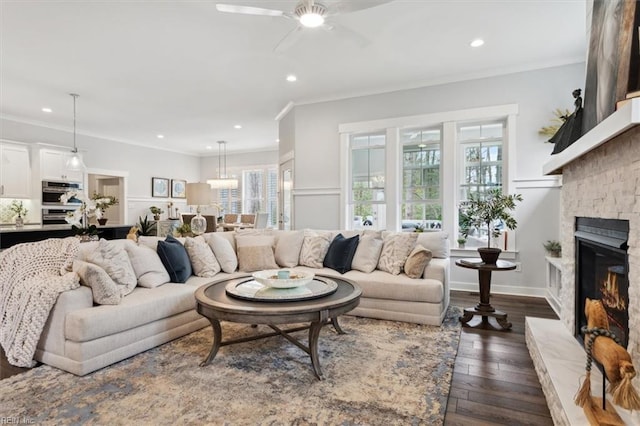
<point>215,303</point>
<point>484,308</point>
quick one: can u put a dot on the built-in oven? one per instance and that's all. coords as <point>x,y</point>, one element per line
<point>52,190</point>
<point>55,216</point>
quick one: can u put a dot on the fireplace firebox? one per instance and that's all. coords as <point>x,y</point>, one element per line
<point>602,266</point>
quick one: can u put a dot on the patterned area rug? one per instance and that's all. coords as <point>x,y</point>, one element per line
<point>380,373</point>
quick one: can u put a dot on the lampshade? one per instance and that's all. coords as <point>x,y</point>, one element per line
<point>222,181</point>
<point>199,194</point>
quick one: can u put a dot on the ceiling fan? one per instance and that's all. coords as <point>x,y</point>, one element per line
<point>309,14</point>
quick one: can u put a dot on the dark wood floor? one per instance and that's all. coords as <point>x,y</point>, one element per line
<point>494,382</point>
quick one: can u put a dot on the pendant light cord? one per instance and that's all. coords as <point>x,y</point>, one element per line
<point>75,148</point>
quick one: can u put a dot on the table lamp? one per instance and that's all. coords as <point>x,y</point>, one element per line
<point>198,194</point>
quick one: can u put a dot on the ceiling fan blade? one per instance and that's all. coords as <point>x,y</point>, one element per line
<point>355,5</point>
<point>347,34</point>
<point>288,40</point>
<point>248,10</point>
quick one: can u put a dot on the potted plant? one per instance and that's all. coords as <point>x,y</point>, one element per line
<point>103,202</point>
<point>156,212</point>
<point>183,230</point>
<point>419,227</point>
<point>487,211</point>
<point>461,242</point>
<point>553,248</point>
<point>20,210</point>
<point>145,227</point>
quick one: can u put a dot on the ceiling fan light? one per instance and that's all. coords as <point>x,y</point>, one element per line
<point>311,20</point>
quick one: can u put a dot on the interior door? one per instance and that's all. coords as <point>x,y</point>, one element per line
<point>285,201</point>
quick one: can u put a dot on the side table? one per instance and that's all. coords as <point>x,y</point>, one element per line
<point>484,308</point>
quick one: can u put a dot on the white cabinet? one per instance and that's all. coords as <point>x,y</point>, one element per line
<point>15,171</point>
<point>554,283</point>
<point>53,166</point>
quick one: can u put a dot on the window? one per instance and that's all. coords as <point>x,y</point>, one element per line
<point>421,190</point>
<point>252,191</point>
<point>230,201</point>
<point>257,192</point>
<point>368,180</point>
<point>272,197</point>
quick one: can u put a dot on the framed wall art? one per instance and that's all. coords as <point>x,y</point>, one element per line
<point>159,187</point>
<point>178,188</point>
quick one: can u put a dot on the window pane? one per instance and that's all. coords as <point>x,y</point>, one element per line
<point>368,180</point>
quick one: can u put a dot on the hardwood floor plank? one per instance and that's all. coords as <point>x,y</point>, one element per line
<point>500,415</point>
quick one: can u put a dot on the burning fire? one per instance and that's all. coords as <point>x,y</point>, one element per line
<point>610,292</point>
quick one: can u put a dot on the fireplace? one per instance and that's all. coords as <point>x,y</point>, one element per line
<point>602,270</point>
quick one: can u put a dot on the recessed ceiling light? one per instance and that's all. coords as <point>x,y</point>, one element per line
<point>237,126</point>
<point>291,78</point>
<point>277,140</point>
<point>160,136</point>
<point>477,42</point>
<point>45,109</point>
<point>209,147</point>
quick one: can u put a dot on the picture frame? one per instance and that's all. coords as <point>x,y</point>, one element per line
<point>178,188</point>
<point>159,187</point>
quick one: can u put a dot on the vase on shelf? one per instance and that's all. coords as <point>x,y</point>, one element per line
<point>19,222</point>
<point>156,217</point>
<point>102,221</point>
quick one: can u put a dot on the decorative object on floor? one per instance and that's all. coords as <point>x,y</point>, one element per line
<point>156,212</point>
<point>18,208</point>
<point>380,372</point>
<point>490,210</point>
<point>178,189</point>
<point>103,202</point>
<point>159,187</point>
<point>198,194</point>
<point>74,162</point>
<point>557,121</point>
<point>32,276</point>
<point>553,248</point>
<point>222,181</point>
<point>571,130</point>
<point>604,347</point>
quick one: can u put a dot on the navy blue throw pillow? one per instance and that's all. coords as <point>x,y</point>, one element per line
<point>175,259</point>
<point>341,253</point>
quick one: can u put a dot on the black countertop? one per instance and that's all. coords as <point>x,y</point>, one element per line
<point>10,236</point>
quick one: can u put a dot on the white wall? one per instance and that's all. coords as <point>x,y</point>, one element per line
<point>537,93</point>
<point>236,161</point>
<point>140,163</point>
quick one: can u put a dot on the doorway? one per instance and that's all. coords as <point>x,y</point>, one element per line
<point>110,183</point>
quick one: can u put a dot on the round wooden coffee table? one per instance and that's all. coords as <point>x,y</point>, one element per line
<point>214,303</point>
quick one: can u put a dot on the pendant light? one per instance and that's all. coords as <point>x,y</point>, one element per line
<point>222,181</point>
<point>74,161</point>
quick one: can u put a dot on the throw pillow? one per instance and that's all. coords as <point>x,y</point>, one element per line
<point>113,258</point>
<point>314,249</point>
<point>288,248</point>
<point>437,242</point>
<point>223,251</point>
<point>340,253</point>
<point>255,253</point>
<point>147,265</point>
<point>203,261</point>
<point>396,247</point>
<point>175,259</point>
<point>367,254</point>
<point>104,290</point>
<point>418,259</point>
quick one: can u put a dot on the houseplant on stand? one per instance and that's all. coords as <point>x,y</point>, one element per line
<point>103,202</point>
<point>488,211</point>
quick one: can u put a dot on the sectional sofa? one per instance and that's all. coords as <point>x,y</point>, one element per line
<point>81,335</point>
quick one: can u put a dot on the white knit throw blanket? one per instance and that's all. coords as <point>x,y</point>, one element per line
<point>32,275</point>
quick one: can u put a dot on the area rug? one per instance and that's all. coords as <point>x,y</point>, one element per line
<point>379,373</point>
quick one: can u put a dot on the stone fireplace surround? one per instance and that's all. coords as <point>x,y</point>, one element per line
<point>600,178</point>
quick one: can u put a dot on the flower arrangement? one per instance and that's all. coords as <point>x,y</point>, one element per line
<point>18,208</point>
<point>103,202</point>
<point>79,218</point>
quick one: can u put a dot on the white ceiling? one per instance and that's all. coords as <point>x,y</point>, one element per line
<point>189,72</point>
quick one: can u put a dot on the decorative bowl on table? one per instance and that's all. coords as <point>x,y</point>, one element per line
<point>269,278</point>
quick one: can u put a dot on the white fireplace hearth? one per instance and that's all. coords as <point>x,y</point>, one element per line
<point>600,179</point>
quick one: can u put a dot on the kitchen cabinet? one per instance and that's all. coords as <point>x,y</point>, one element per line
<point>15,171</point>
<point>53,166</point>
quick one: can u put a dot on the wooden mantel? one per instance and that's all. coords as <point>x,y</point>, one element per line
<point>620,121</point>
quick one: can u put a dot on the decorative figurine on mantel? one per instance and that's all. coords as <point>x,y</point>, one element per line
<point>571,130</point>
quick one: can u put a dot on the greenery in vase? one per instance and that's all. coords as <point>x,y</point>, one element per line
<point>462,241</point>
<point>156,210</point>
<point>183,230</point>
<point>18,208</point>
<point>103,202</point>
<point>553,247</point>
<point>494,206</point>
<point>145,227</point>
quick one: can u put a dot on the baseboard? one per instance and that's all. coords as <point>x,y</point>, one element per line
<point>499,289</point>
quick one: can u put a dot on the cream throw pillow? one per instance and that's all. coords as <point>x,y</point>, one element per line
<point>105,291</point>
<point>396,247</point>
<point>367,254</point>
<point>114,260</point>
<point>255,252</point>
<point>314,249</point>
<point>203,261</point>
<point>418,259</point>
<point>147,266</point>
<point>223,251</point>
<point>437,242</point>
<point>288,248</point>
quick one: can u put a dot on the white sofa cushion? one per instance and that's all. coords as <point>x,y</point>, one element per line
<point>396,247</point>
<point>255,253</point>
<point>288,246</point>
<point>314,248</point>
<point>147,265</point>
<point>223,251</point>
<point>436,242</point>
<point>367,253</point>
<point>202,258</point>
<point>104,290</point>
<point>113,258</point>
<point>416,262</point>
